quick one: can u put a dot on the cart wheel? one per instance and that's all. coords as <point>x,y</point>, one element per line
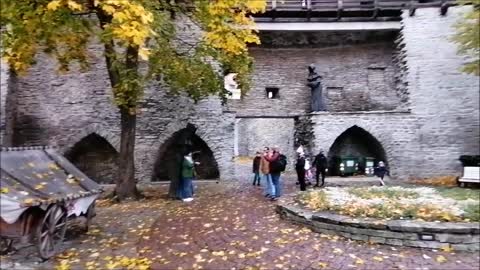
<point>89,216</point>
<point>5,245</point>
<point>51,231</point>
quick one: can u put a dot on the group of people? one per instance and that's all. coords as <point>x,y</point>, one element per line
<point>268,166</point>
<point>302,168</point>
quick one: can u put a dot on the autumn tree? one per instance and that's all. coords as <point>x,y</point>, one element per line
<point>468,37</point>
<point>135,34</point>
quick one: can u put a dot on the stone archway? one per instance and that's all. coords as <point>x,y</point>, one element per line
<point>96,157</point>
<point>358,143</point>
<point>208,168</point>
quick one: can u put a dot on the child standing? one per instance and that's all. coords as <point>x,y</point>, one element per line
<point>380,171</point>
<point>256,168</point>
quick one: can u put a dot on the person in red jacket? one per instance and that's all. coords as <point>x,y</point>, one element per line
<point>278,163</point>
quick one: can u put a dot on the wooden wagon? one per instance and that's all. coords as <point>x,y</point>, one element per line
<point>39,191</point>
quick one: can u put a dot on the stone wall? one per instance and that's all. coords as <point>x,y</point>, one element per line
<point>357,76</point>
<point>256,133</point>
<point>61,109</point>
<point>393,130</point>
<point>7,94</point>
<point>438,119</point>
<point>444,100</point>
<point>405,89</point>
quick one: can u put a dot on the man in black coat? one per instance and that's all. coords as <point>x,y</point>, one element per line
<point>321,165</point>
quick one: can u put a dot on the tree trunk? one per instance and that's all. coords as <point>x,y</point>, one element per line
<point>126,185</point>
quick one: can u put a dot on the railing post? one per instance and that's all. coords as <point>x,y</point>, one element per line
<point>376,8</point>
<point>412,8</point>
<point>309,4</point>
<point>274,4</point>
<point>339,9</point>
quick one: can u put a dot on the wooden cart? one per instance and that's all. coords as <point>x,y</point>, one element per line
<point>45,206</point>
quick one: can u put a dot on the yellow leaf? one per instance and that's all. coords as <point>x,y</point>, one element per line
<point>4,190</point>
<point>447,248</point>
<point>337,251</point>
<point>40,186</point>
<point>144,53</point>
<point>63,266</point>
<point>54,5</point>
<point>441,259</point>
<point>94,255</point>
<point>74,5</point>
<point>28,201</point>
<point>218,253</point>
<point>378,259</point>
<point>322,265</point>
<point>359,261</point>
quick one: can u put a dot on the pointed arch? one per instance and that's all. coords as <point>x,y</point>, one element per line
<point>358,143</point>
<point>96,157</point>
<point>112,138</point>
<point>208,168</point>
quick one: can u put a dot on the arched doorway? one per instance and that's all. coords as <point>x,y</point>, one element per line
<point>208,168</point>
<point>95,157</point>
<point>358,146</point>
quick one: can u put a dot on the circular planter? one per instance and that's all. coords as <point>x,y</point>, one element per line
<point>459,236</point>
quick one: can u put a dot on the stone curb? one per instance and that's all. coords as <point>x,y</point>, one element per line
<point>460,236</point>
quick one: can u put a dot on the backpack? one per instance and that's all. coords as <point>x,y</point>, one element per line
<point>279,165</point>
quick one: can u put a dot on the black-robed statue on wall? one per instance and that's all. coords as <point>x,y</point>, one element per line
<point>315,83</point>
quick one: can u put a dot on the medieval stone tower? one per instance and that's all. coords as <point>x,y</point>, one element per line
<point>390,77</point>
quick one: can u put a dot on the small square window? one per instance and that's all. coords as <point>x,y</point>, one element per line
<point>272,92</point>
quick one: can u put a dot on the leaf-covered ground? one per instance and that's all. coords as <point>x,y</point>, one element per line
<point>226,226</point>
<point>397,202</point>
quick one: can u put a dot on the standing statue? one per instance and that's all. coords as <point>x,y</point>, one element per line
<point>315,83</point>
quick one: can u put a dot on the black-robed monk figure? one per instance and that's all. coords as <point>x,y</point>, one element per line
<point>315,83</point>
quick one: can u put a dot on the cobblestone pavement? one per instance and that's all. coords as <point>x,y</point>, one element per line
<point>240,229</point>
<point>228,225</point>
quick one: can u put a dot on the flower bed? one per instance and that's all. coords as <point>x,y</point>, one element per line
<point>419,203</point>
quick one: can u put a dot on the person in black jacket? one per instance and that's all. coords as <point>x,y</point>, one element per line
<point>256,168</point>
<point>381,171</point>
<point>300,168</point>
<point>321,165</point>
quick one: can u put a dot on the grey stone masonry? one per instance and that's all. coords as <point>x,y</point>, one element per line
<point>445,101</point>
<point>355,78</point>
<point>404,88</point>
<point>394,130</point>
<point>256,133</point>
<point>460,236</point>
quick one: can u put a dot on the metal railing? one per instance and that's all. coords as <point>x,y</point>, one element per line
<point>330,5</point>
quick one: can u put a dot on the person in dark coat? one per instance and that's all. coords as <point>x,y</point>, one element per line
<point>300,168</point>
<point>256,169</point>
<point>381,171</point>
<point>321,164</point>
